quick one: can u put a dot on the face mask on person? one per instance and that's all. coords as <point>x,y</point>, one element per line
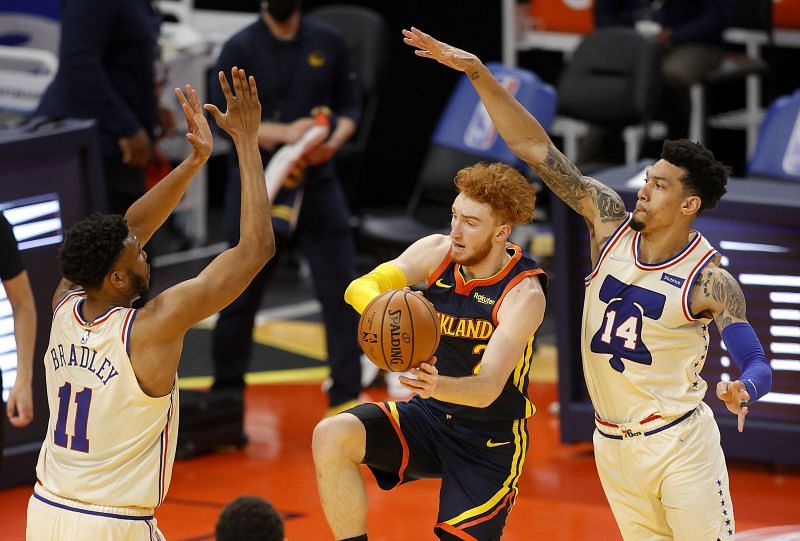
<point>280,10</point>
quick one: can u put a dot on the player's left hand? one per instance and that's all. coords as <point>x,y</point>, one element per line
<point>426,376</point>
<point>736,398</point>
<point>20,405</point>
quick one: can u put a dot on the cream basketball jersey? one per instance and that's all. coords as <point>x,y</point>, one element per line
<point>107,442</point>
<point>643,350</point>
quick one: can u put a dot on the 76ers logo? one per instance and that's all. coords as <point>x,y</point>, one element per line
<point>621,331</point>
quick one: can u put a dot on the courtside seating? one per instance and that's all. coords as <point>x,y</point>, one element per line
<point>777,153</point>
<point>29,34</point>
<point>613,81</point>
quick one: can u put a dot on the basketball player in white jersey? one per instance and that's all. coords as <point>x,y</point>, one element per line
<point>111,370</point>
<point>654,288</point>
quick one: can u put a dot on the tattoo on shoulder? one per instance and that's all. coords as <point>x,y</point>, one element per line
<point>720,286</point>
<point>563,178</point>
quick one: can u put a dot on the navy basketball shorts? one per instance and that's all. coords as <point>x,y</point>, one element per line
<point>479,463</point>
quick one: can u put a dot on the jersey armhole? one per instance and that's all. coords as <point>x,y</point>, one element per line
<point>686,296</point>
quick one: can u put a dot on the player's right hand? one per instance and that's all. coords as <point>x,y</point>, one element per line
<point>197,131</point>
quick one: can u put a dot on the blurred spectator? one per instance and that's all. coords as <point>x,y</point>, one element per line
<point>690,34</point>
<point>249,518</point>
<point>23,307</point>
<point>107,71</point>
<point>300,65</point>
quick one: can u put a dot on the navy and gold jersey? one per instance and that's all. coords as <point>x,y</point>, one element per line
<point>468,316</point>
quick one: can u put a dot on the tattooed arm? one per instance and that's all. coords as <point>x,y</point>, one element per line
<point>717,294</point>
<point>600,205</point>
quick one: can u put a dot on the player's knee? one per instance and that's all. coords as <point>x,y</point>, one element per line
<point>339,437</point>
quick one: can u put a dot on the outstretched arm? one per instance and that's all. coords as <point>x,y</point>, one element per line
<point>718,293</point>
<point>599,204</point>
<point>149,211</point>
<point>230,272</point>
<point>157,336</point>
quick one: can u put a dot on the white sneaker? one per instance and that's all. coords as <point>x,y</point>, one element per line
<point>369,371</point>
<point>395,388</point>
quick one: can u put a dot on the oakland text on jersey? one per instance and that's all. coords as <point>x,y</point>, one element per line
<point>83,357</point>
<point>465,327</point>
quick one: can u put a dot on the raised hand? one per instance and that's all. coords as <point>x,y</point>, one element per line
<point>430,47</point>
<point>197,131</point>
<point>736,398</point>
<point>242,117</point>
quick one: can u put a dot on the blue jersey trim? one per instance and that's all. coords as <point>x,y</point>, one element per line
<point>128,332</point>
<point>89,512</point>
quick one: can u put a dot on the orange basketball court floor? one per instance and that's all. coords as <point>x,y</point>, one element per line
<point>560,498</point>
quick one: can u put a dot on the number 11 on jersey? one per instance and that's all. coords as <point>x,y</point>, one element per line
<point>83,399</point>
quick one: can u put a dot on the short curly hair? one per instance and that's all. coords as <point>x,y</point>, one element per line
<point>501,187</point>
<point>249,518</point>
<point>705,176</point>
<point>91,247</point>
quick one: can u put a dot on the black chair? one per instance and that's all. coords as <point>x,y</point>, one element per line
<point>777,152</point>
<point>464,135</point>
<point>750,23</point>
<point>367,36</point>
<point>613,81</point>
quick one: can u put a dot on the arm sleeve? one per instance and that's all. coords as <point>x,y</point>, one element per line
<point>382,278</point>
<point>347,96</point>
<point>85,29</point>
<point>747,353</point>
<point>611,13</point>
<point>10,260</point>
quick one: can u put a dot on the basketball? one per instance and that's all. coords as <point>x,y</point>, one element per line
<point>398,330</point>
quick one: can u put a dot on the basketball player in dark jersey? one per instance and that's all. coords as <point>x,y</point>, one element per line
<point>467,422</point>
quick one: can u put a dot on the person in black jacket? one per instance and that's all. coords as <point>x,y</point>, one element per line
<point>301,65</point>
<point>17,288</point>
<point>690,34</point>
<point>107,63</point>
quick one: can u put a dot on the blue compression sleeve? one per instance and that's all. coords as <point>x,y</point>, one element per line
<point>747,353</point>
